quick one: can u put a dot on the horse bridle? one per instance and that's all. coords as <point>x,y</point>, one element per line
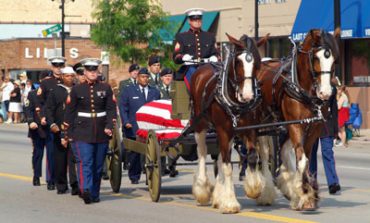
<point>236,81</point>
<point>311,57</point>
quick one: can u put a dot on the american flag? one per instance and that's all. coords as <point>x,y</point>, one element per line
<point>156,115</point>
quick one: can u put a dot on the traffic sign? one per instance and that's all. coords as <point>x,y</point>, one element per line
<point>53,29</point>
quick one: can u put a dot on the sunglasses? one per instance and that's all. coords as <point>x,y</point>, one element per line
<point>91,68</point>
<point>58,64</point>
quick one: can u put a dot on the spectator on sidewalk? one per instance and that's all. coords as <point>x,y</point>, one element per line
<point>6,88</point>
<point>15,105</point>
<point>343,114</point>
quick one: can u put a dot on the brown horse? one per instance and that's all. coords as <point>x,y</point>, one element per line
<point>242,68</point>
<point>312,87</point>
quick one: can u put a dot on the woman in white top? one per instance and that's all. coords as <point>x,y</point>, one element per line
<point>6,88</point>
<point>343,113</point>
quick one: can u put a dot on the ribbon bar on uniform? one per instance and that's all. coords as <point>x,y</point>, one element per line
<point>91,115</point>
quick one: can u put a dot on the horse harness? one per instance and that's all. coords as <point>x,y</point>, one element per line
<point>291,85</point>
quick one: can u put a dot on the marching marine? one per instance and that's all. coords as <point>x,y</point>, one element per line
<point>46,86</point>
<point>36,131</point>
<point>89,119</point>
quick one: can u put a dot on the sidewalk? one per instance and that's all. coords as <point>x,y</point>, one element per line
<point>364,138</point>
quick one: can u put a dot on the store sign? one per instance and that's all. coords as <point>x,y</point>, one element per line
<point>361,79</point>
<point>43,53</point>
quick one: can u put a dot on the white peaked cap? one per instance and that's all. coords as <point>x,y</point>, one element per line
<point>194,12</point>
<point>57,59</point>
<point>67,70</point>
<point>90,62</point>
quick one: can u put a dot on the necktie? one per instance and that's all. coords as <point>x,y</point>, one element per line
<point>143,92</point>
<point>168,90</point>
<point>135,81</point>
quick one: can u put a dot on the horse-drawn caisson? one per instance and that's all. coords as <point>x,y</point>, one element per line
<point>250,98</point>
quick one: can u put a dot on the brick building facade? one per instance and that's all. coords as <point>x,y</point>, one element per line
<point>30,56</point>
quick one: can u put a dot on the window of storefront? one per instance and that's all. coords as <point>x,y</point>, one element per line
<point>357,62</point>
<point>278,47</point>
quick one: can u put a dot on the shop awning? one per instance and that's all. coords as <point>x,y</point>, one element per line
<point>208,19</point>
<point>175,23</point>
<point>320,14</point>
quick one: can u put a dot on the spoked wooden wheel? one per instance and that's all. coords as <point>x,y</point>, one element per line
<point>153,166</point>
<point>114,161</point>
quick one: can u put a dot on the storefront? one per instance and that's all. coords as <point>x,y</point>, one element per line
<point>355,43</point>
<point>29,55</point>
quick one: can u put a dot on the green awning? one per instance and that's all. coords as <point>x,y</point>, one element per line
<point>175,23</point>
<point>208,19</point>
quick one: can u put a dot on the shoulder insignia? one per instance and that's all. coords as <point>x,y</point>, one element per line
<point>68,100</point>
<point>39,91</point>
<point>177,46</point>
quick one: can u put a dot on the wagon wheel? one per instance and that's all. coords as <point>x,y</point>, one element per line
<point>153,166</point>
<point>114,161</point>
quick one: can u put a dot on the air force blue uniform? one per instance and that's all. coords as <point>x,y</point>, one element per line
<point>131,99</point>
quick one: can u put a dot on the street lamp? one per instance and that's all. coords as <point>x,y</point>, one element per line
<point>61,6</point>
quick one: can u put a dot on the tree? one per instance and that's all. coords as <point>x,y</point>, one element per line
<point>126,27</point>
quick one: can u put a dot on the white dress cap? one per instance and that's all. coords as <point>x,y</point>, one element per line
<point>90,62</point>
<point>194,12</point>
<point>67,70</point>
<point>57,59</point>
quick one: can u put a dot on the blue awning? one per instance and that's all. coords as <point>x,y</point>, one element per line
<point>208,19</point>
<point>355,20</point>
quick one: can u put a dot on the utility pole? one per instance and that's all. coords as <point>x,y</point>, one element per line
<point>337,24</point>
<point>63,33</point>
<point>61,7</point>
<point>256,20</point>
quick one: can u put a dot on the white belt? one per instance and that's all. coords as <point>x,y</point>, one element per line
<point>91,115</point>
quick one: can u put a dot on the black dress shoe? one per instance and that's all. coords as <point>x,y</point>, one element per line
<point>51,186</point>
<point>95,200</point>
<point>334,188</point>
<point>174,173</point>
<point>36,181</point>
<point>134,181</point>
<point>75,190</point>
<point>62,191</point>
<point>338,187</point>
<point>165,172</point>
<point>86,196</point>
<point>241,177</point>
<point>105,176</point>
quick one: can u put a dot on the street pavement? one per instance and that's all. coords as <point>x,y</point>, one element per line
<point>21,202</point>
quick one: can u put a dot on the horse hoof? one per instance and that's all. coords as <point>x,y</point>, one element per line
<point>309,206</point>
<point>253,194</point>
<point>230,209</point>
<point>202,193</point>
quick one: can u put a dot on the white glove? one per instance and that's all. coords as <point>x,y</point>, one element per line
<point>187,57</point>
<point>213,59</point>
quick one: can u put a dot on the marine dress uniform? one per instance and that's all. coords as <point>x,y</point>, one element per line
<point>37,134</point>
<point>131,99</point>
<point>63,157</point>
<point>90,112</point>
<point>43,92</point>
<point>194,45</point>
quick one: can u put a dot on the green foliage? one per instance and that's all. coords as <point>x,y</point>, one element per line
<point>126,27</point>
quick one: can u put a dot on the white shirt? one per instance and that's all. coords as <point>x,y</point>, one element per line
<point>7,89</point>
